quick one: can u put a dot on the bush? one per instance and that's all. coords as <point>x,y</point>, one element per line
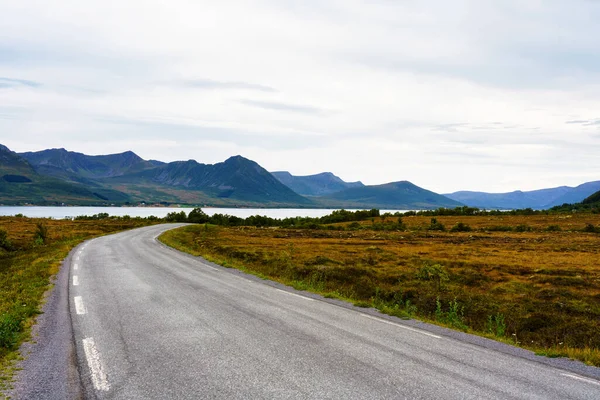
<point>523,228</point>
<point>553,228</point>
<point>5,243</point>
<point>433,272</point>
<point>41,233</point>
<point>461,227</point>
<point>436,226</point>
<point>591,228</point>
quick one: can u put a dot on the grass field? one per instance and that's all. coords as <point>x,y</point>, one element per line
<point>533,281</point>
<point>27,262</point>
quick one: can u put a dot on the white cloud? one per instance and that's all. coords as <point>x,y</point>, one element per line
<point>450,95</point>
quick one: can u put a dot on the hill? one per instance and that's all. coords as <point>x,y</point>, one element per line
<point>234,181</point>
<point>314,185</point>
<point>78,167</point>
<point>590,203</point>
<point>20,183</point>
<point>593,199</point>
<point>395,195</point>
<point>536,199</point>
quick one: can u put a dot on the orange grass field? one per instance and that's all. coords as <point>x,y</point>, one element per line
<point>538,288</point>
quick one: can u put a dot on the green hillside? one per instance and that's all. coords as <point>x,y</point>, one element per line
<point>395,195</point>
<point>20,184</point>
<point>591,203</point>
<point>236,181</point>
<point>78,167</point>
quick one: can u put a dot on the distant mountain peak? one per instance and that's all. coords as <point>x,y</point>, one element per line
<point>320,184</point>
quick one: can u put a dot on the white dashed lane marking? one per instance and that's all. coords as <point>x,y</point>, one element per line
<point>79,307</point>
<point>92,355</point>
<point>75,266</point>
<point>75,280</point>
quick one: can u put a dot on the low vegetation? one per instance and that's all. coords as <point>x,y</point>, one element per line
<point>31,251</point>
<point>528,278</point>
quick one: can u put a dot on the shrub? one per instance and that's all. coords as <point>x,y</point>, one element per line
<point>461,227</point>
<point>5,243</point>
<point>591,228</point>
<point>354,226</point>
<point>496,325</point>
<point>554,228</point>
<point>453,317</point>
<point>41,233</point>
<point>523,228</point>
<point>436,226</point>
<point>433,272</point>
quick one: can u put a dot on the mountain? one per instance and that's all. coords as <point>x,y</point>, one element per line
<point>234,181</point>
<point>78,167</point>
<point>20,183</point>
<point>314,185</point>
<point>395,195</point>
<point>536,199</point>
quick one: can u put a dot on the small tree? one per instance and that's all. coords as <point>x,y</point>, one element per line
<point>197,216</point>
<point>176,217</point>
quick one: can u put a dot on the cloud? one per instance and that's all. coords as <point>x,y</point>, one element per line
<point>11,83</point>
<point>584,122</point>
<point>371,90</point>
<point>275,106</point>
<point>216,85</point>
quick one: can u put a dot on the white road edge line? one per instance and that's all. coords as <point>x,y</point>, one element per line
<point>99,378</point>
<point>294,294</point>
<point>581,378</point>
<point>75,266</point>
<point>402,326</point>
<point>75,280</point>
<point>79,307</point>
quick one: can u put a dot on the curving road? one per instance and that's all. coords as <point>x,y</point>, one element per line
<point>152,323</point>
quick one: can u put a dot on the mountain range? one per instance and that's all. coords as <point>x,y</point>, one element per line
<point>535,199</point>
<point>58,176</point>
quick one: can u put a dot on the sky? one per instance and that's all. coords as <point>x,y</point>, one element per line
<point>450,95</point>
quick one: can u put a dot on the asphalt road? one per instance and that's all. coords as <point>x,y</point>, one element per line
<point>152,323</point>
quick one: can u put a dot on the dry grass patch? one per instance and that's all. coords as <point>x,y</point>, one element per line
<point>534,287</point>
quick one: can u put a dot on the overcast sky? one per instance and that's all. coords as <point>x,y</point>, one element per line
<point>450,95</point>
